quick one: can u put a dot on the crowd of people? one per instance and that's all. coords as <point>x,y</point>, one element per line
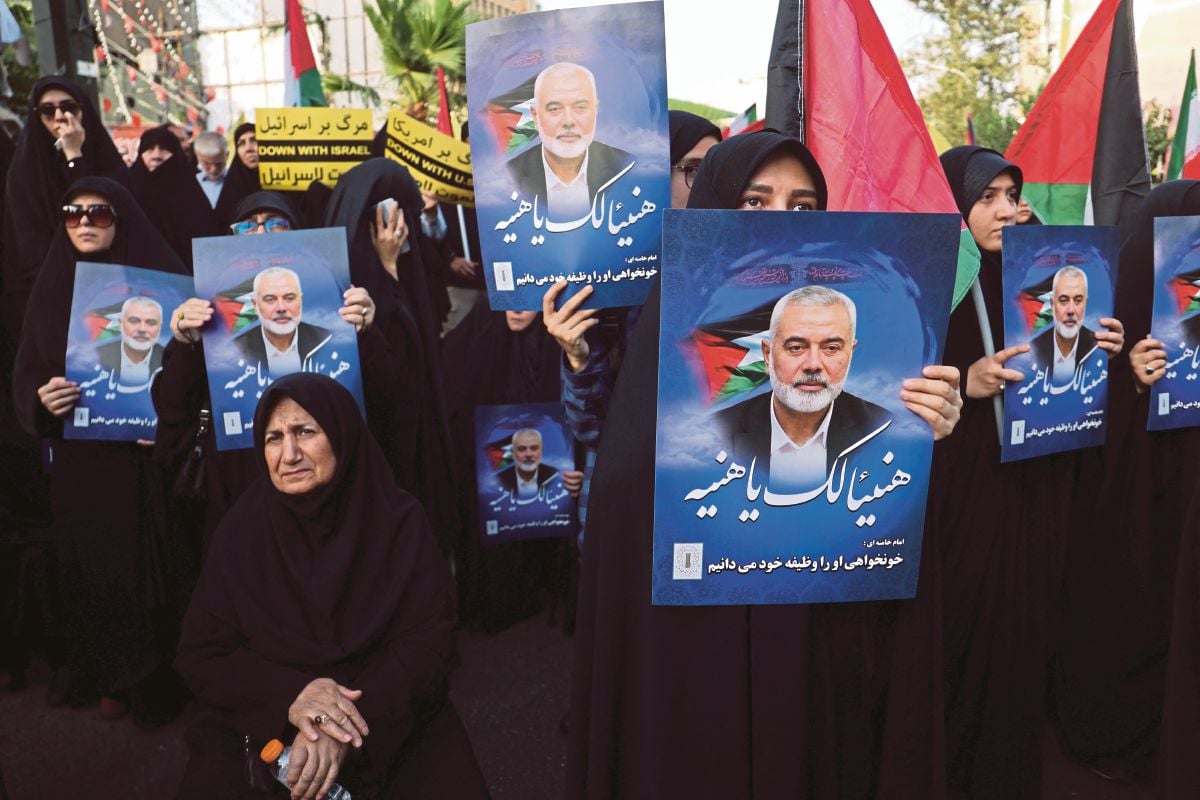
<point>308,588</point>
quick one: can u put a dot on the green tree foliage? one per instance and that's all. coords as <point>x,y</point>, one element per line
<point>970,67</point>
<point>1158,121</point>
<point>20,78</point>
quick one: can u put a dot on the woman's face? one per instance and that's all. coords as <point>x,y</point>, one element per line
<point>299,455</point>
<point>88,237</point>
<point>56,123</point>
<point>995,210</point>
<point>685,171</point>
<point>781,184</point>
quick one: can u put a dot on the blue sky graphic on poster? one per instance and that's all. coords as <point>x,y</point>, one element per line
<point>115,343</point>
<point>237,352</point>
<point>1175,397</point>
<point>600,225</point>
<point>736,523</point>
<point>521,452</point>
<point>1062,402</point>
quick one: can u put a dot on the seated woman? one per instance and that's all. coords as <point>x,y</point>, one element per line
<point>324,617</point>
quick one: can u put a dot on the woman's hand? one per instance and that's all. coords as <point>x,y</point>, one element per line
<point>59,396</point>
<point>568,324</point>
<point>986,376</point>
<point>73,137</point>
<point>333,704</point>
<point>572,481</point>
<point>389,237</point>
<point>314,766</point>
<point>359,308</point>
<point>1112,339</point>
<point>189,318</point>
<point>935,398</point>
<point>1148,360</point>
<point>463,267</point>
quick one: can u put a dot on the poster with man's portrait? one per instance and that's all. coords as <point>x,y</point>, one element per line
<point>275,300</point>
<point>788,469</point>
<point>1175,397</point>
<point>115,344</point>
<point>521,453</point>
<point>570,152</point>
<point>1058,284</point>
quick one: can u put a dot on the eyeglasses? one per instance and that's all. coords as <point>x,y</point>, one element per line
<point>101,215</point>
<point>689,170</point>
<point>270,225</point>
<point>50,110</point>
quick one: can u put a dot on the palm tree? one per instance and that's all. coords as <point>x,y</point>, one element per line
<point>417,37</point>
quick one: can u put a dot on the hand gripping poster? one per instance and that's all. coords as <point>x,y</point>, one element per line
<point>1175,396</point>
<point>115,344</point>
<point>569,144</point>
<point>521,455</point>
<point>275,300</point>
<point>1058,285</point>
<point>788,469</point>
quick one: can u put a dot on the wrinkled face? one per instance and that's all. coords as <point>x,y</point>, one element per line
<point>685,171</point>
<point>154,156</point>
<point>87,238</point>
<point>810,355</point>
<point>995,210</point>
<point>247,149</point>
<point>279,303</point>
<point>299,455</point>
<point>58,124</point>
<point>564,113</point>
<point>519,320</point>
<point>213,166</point>
<point>140,325</point>
<point>783,183</point>
<point>527,451</point>
<point>1070,305</point>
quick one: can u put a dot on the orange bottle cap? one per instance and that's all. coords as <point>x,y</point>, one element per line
<point>271,750</point>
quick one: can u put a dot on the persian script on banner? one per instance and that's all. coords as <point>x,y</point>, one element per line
<point>297,146</point>
<point>438,163</point>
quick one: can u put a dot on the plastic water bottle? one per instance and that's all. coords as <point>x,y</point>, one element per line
<point>275,753</point>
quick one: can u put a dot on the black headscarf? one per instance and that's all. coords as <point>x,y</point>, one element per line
<point>170,195</point>
<point>265,201</point>
<point>687,129</point>
<point>240,181</point>
<point>43,349</point>
<point>35,185</point>
<point>728,166</point>
<point>970,169</point>
<point>314,203</point>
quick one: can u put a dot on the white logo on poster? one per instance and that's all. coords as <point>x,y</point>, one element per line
<point>689,558</point>
<point>1018,431</point>
<point>81,417</point>
<point>493,527</point>
<point>233,423</point>
<point>1164,404</point>
<point>504,276</point>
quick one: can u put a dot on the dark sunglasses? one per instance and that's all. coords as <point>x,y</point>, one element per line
<point>270,225</point>
<point>102,215</point>
<point>49,110</point>
<point>689,170</point>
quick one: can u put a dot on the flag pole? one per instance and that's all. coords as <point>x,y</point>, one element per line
<point>989,349</point>
<point>462,231</point>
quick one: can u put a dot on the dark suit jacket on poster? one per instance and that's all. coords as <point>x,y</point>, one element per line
<point>604,162</point>
<point>508,477</point>
<point>1042,347</point>
<point>747,427</point>
<point>109,356</point>
<point>312,338</point>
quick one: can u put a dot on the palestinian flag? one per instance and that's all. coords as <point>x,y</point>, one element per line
<point>499,453</point>
<point>1083,147</point>
<point>443,120</point>
<point>1185,284</point>
<point>509,116</point>
<point>834,81</point>
<point>731,353</point>
<point>302,82</point>
<point>235,308</point>
<point>745,122</point>
<point>1185,147</point>
<point>104,323</point>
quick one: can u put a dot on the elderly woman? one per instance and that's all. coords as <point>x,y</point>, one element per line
<point>324,616</point>
<point>108,499</point>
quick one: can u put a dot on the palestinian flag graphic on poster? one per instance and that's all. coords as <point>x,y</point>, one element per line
<point>104,323</point>
<point>1185,288</point>
<point>1185,147</point>
<point>499,453</point>
<point>1083,148</point>
<point>731,352</point>
<point>510,117</point>
<point>236,307</point>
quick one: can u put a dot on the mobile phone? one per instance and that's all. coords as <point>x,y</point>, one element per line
<point>388,205</point>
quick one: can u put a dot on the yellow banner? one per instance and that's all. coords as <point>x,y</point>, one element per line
<point>297,146</point>
<point>438,163</point>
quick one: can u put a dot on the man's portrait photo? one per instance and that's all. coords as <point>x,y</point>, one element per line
<point>1061,348</point>
<point>567,167</point>
<point>797,430</point>
<point>136,357</point>
<point>527,476</point>
<point>281,343</point>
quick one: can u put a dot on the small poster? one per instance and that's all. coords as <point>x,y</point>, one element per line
<point>788,469</point>
<point>276,299</point>
<point>1058,284</point>
<point>297,146</point>
<point>569,141</point>
<point>521,454</point>
<point>115,345</point>
<point>438,163</point>
<point>1175,397</point>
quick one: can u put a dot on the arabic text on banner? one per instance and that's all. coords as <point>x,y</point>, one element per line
<point>297,146</point>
